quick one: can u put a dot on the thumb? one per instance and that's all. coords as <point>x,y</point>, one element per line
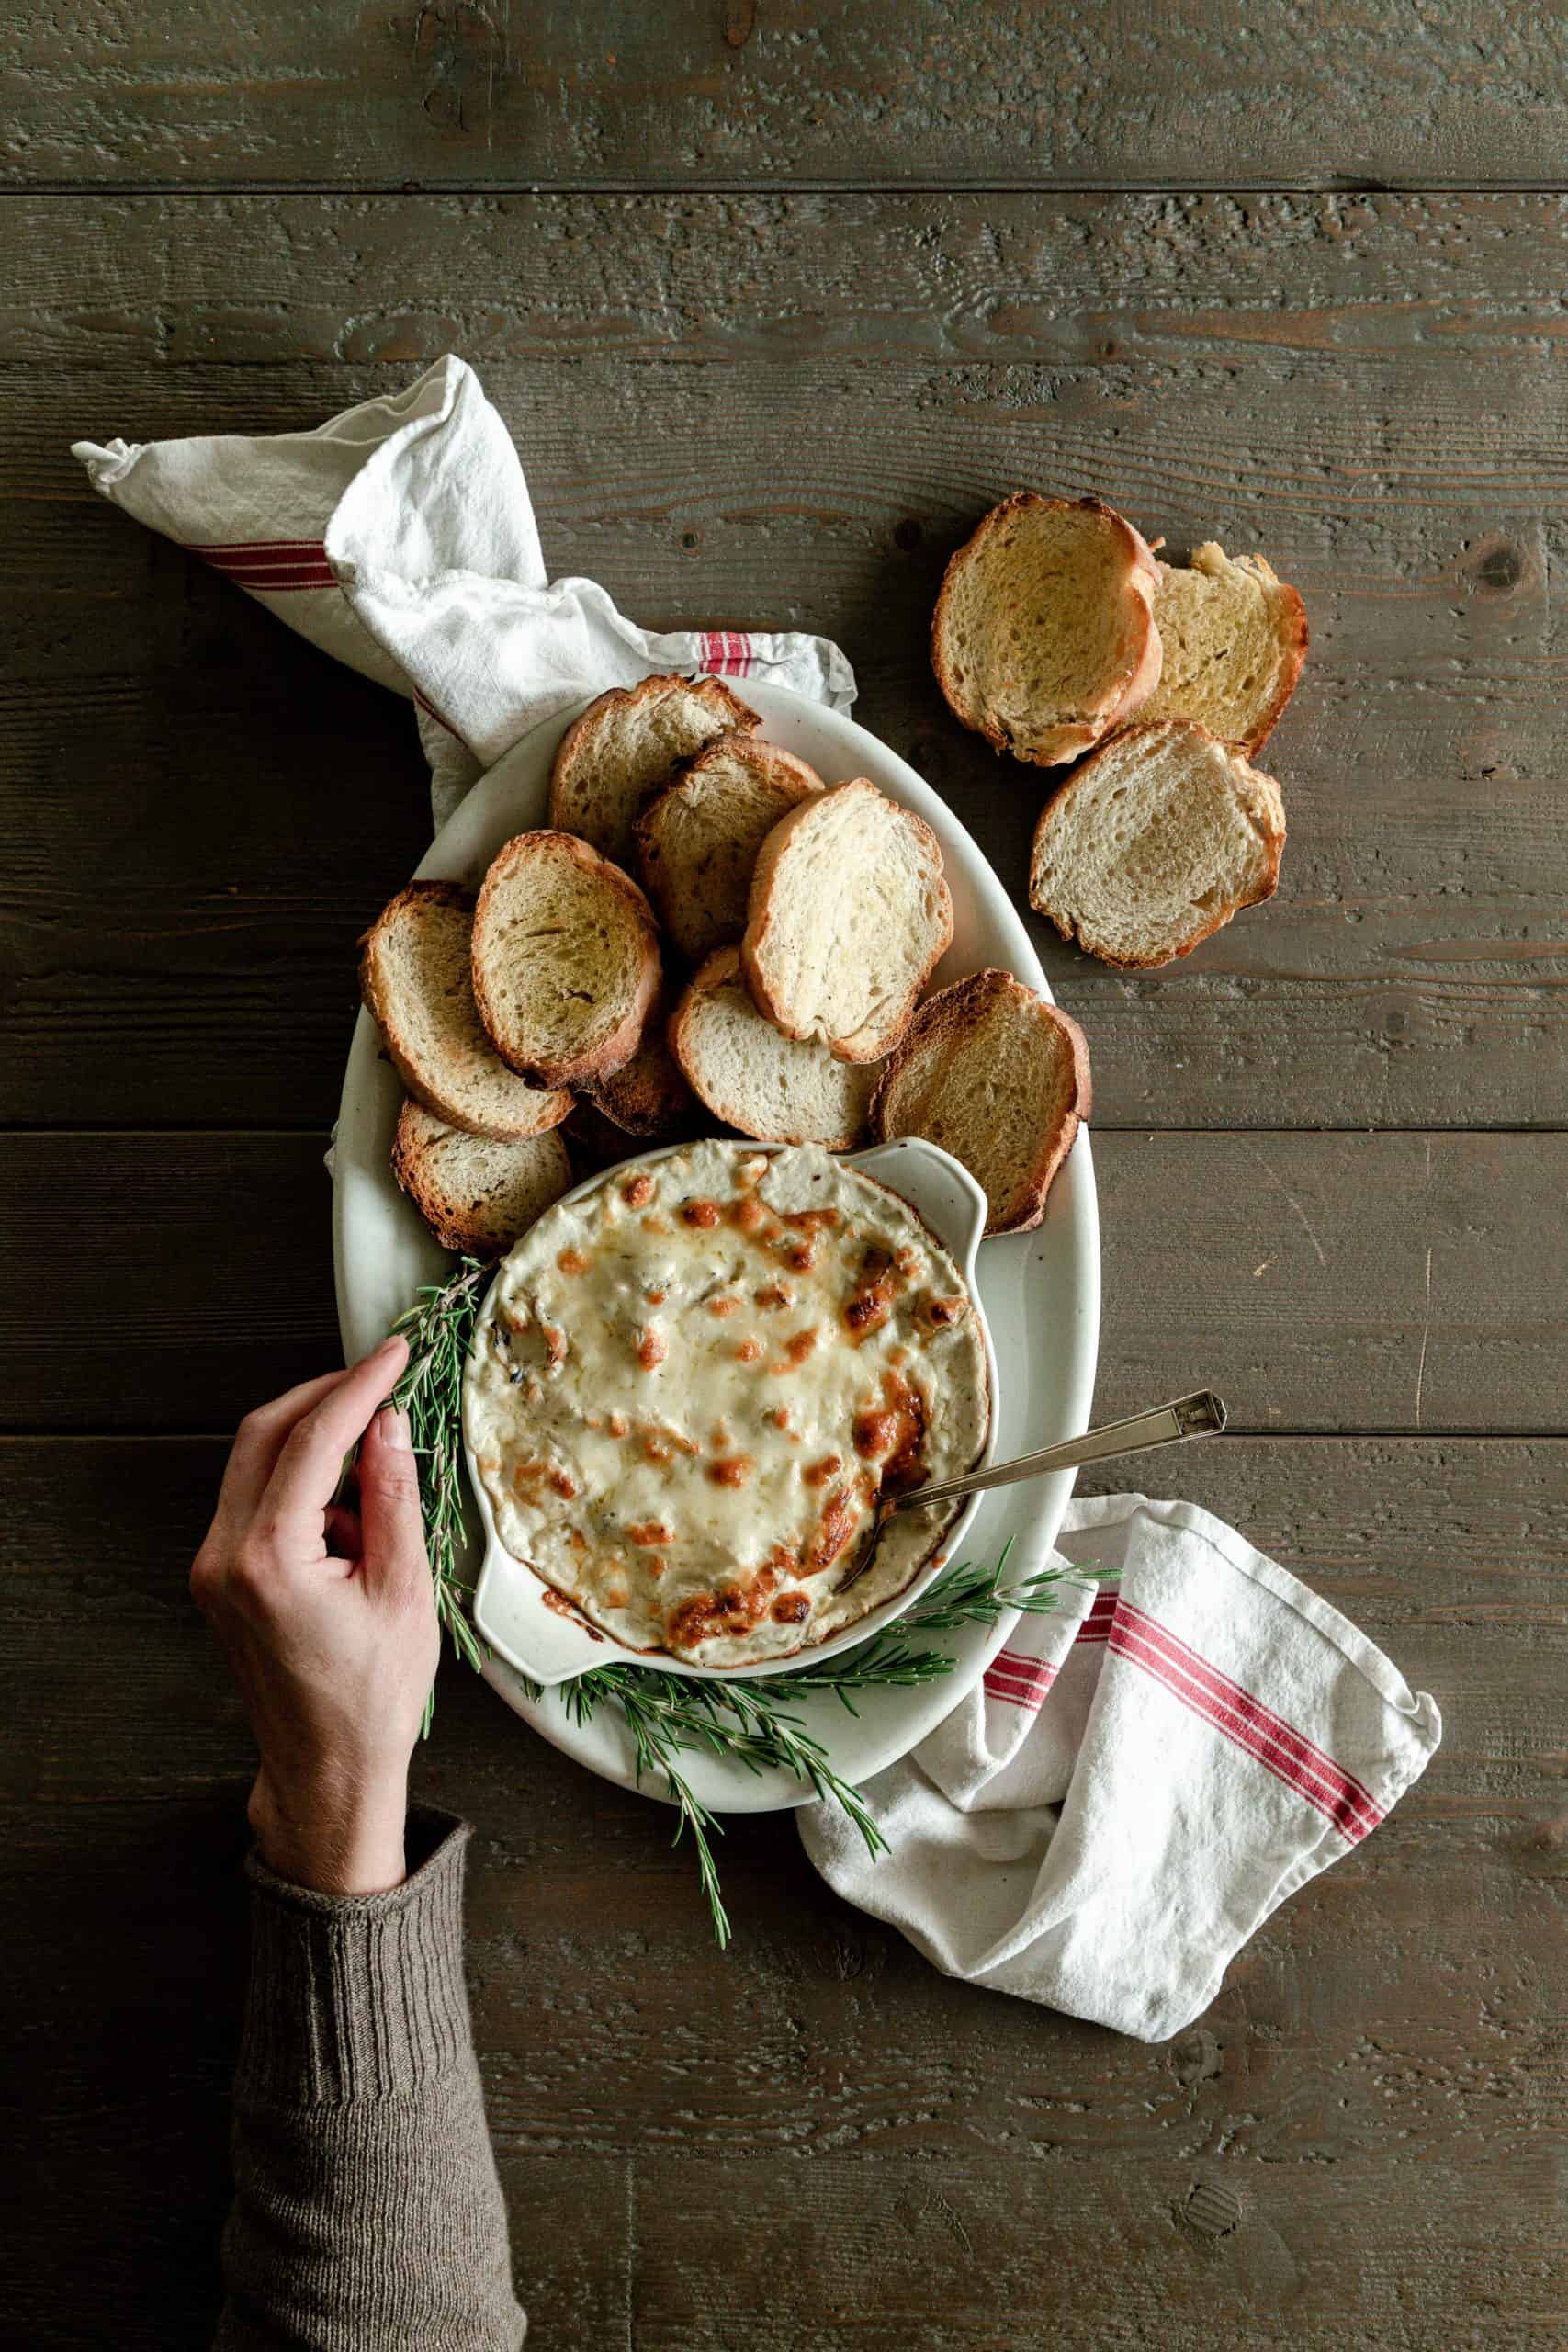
<point>389,1518</point>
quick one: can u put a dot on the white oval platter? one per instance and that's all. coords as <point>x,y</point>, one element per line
<point>1040,1290</point>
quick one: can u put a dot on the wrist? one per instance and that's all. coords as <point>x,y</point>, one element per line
<point>336,1842</point>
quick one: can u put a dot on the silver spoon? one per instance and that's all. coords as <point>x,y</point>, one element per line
<point>1202,1414</point>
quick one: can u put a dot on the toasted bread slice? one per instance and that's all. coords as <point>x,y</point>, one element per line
<point>997,1076</point>
<point>698,842</point>
<point>565,959</point>
<point>770,1086</point>
<point>1154,842</point>
<point>626,746</point>
<point>849,913</point>
<point>476,1195</point>
<point>415,976</point>
<point>1043,637</point>
<point>1235,639</point>
<point>649,1096</point>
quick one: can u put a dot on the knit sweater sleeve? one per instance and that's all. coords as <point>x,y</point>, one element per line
<point>368,2216</point>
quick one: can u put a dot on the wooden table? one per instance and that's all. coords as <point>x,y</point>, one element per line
<point>778,294</point>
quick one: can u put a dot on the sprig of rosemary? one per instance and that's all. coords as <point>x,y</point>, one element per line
<point>438,1327</point>
<point>668,1715</point>
<point>754,1722</point>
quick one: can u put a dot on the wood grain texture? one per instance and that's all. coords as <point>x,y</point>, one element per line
<point>476,93</point>
<point>1318,1282</point>
<point>787,411</point>
<point>1361,2142</point>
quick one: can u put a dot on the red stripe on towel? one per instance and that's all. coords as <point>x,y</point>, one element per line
<point>1245,1721</point>
<point>1096,1626</point>
<point>273,565</point>
<point>1311,1756</point>
<point>280,584</point>
<point>726,652</point>
<point>1021,1680</point>
<point>431,712</point>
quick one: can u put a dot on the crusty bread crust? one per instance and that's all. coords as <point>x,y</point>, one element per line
<point>1117,697</point>
<point>457,1225</point>
<point>649,1095</point>
<point>944,1024</point>
<point>619,703</point>
<point>1274,843</point>
<point>1294,637</point>
<point>683,891</point>
<point>377,997</point>
<point>610,1051</point>
<point>1289,623</point>
<point>764,915</point>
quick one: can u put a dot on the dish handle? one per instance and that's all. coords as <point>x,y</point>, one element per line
<point>516,1613</point>
<point>938,1189</point>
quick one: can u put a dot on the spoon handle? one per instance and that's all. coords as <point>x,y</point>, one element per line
<point>1202,1414</point>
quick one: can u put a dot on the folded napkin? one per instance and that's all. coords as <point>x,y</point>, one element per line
<point>1144,1775</point>
<point>401,538</point>
<point>1140,1779</point>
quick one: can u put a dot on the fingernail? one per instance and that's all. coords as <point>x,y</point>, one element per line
<point>393,1339</point>
<point>395,1430</point>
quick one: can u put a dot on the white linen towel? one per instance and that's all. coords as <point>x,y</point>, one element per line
<point>1145,1773</point>
<point>1140,1779</point>
<point>401,538</point>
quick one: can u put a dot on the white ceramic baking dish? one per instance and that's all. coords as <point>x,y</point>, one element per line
<point>511,1609</point>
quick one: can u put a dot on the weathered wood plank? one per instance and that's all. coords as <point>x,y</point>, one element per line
<point>1365,387</point>
<point>1336,1282</point>
<point>1318,1282</point>
<point>1376,2099</point>
<point>199,1278</point>
<point>1173,2254</point>
<point>206,814</point>
<point>458,94</point>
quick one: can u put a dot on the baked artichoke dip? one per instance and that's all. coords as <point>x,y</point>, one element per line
<point>695,1382</point>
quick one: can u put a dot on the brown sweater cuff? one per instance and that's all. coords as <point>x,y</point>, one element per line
<point>362,1996</point>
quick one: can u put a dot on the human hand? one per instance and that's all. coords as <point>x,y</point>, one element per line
<point>327,1617</point>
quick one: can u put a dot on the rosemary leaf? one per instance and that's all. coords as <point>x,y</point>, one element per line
<point>438,1327</point>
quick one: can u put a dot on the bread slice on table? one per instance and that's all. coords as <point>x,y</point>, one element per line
<point>415,976</point>
<point>1235,639</point>
<point>649,1096</point>
<point>1043,637</point>
<point>1155,841</point>
<point>626,746</point>
<point>476,1195</point>
<point>698,842</point>
<point>848,914</point>
<point>565,959</point>
<point>778,1089</point>
<point>998,1076</point>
